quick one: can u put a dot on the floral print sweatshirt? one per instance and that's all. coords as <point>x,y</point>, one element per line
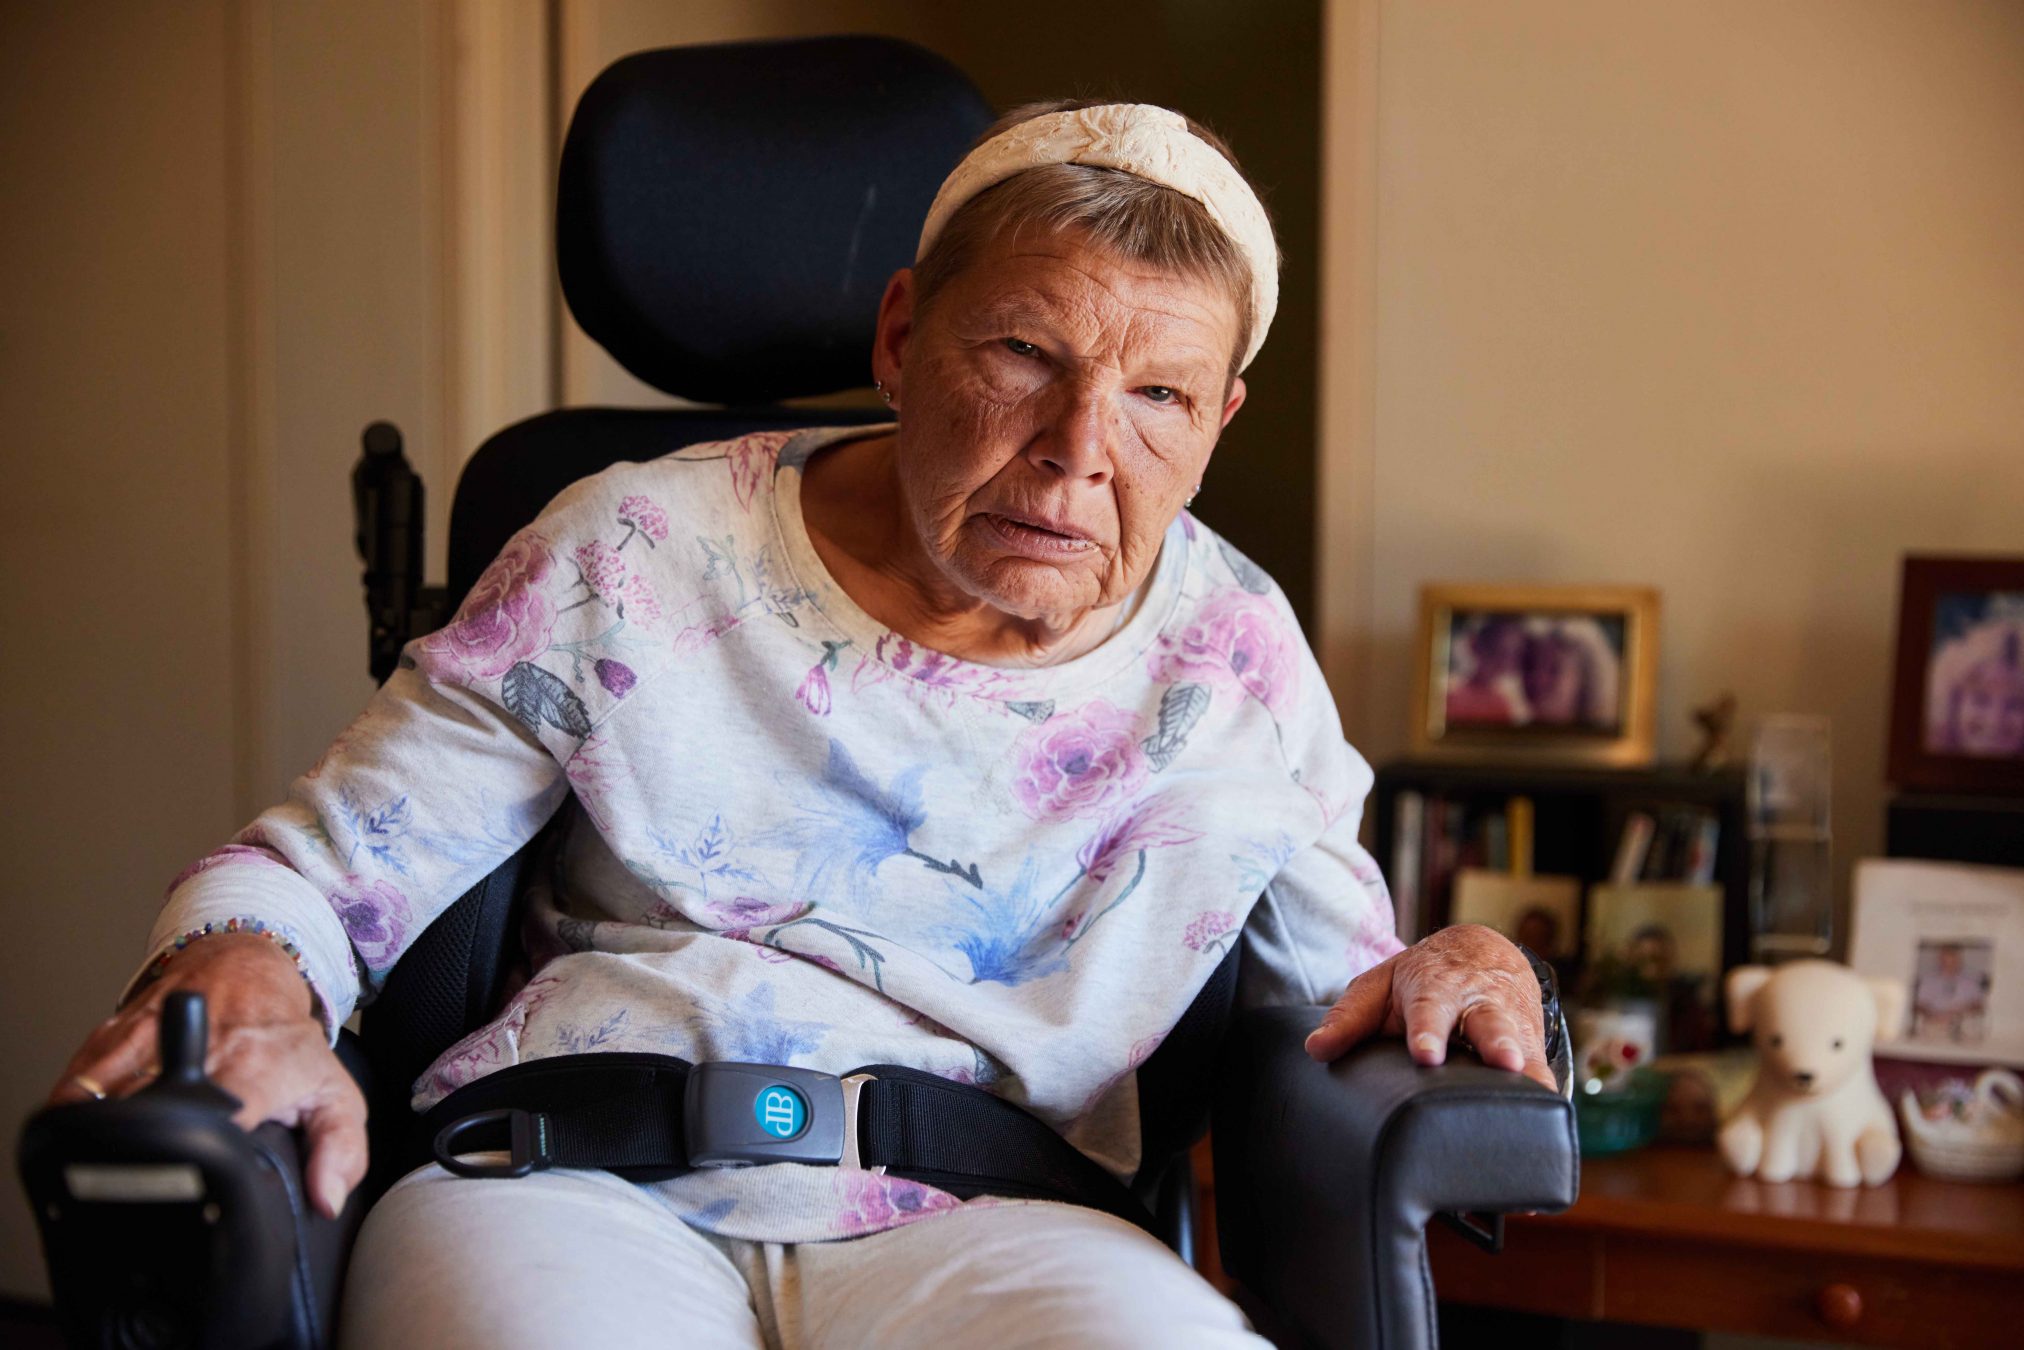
<point>796,837</point>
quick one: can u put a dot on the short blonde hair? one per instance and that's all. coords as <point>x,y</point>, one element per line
<point>1136,218</point>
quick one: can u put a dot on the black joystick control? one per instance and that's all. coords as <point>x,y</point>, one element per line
<point>164,1223</point>
<point>185,1033</point>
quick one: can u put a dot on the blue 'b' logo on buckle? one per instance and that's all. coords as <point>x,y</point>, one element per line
<point>780,1111</point>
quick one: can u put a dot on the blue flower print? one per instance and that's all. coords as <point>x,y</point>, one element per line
<point>715,1211</point>
<point>377,830</point>
<point>1261,861</point>
<point>708,855</point>
<point>755,1034</point>
<point>499,832</point>
<point>854,825</point>
<point>576,1040</point>
<point>1013,937</point>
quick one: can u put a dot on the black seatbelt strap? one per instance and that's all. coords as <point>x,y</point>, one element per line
<point>628,1113</point>
<point>963,1140</point>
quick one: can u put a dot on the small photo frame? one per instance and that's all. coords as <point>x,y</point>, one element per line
<point>1957,710</point>
<point>1950,990</point>
<point>1662,930</point>
<point>1561,674</point>
<point>1953,934</point>
<point>1543,913</point>
<point>1661,941</point>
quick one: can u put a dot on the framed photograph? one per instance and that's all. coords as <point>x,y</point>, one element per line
<point>1562,674</point>
<point>1543,913</point>
<point>1662,931</point>
<point>1957,713</point>
<point>1952,934</point>
<point>1660,941</point>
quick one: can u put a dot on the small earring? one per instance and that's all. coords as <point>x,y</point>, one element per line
<point>1191,496</point>
<point>883,392</point>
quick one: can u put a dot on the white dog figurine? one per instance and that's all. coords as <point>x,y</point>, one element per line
<point>1816,1110</point>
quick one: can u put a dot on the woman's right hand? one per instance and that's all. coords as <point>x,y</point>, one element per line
<point>266,1048</point>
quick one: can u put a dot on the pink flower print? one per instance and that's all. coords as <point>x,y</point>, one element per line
<point>741,914</point>
<point>872,1202</point>
<point>375,916</point>
<point>258,855</point>
<point>637,600</point>
<point>697,634</point>
<point>1073,924</point>
<point>1141,1051</point>
<point>1374,940</point>
<point>752,460</point>
<point>1152,823</point>
<point>814,690</point>
<point>505,620</point>
<point>592,777</point>
<point>931,673</point>
<point>1329,809</point>
<point>492,1046</point>
<point>603,570</point>
<point>616,676</point>
<point>1238,640</point>
<point>1209,929</point>
<point>344,741</point>
<point>642,517</point>
<point>1079,763</point>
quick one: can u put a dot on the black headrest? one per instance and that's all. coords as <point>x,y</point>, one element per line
<point>728,215</point>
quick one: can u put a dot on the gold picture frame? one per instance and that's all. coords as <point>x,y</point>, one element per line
<point>1542,674</point>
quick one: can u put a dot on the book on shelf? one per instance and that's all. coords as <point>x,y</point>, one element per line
<point>1437,836</point>
<point>1408,831</point>
<point>1633,848</point>
<point>1669,843</point>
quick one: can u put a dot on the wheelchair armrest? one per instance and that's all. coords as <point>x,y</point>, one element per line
<point>1326,1175</point>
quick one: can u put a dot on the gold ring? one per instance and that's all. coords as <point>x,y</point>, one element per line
<point>89,1084</point>
<point>1462,1026</point>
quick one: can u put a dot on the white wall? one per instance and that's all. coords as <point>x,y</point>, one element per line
<point>1727,298</point>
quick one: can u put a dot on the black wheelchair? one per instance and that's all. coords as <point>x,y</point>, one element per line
<point>726,219</point>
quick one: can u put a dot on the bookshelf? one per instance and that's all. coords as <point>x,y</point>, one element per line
<point>1579,816</point>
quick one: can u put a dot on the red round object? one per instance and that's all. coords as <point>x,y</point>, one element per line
<point>1839,1305</point>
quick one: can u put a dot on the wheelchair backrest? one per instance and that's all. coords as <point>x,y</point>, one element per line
<point>726,220</point>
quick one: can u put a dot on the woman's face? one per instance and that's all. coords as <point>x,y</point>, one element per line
<point>1989,711</point>
<point>1553,684</point>
<point>1057,406</point>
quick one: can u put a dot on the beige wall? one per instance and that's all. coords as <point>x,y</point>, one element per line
<point>1727,298</point>
<point>115,512</point>
<point>224,243</point>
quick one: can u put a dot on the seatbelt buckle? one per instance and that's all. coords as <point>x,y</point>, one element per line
<point>746,1115</point>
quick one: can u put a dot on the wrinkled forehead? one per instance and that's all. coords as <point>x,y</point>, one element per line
<point>1064,286</point>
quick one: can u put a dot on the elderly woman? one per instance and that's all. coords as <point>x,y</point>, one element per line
<point>955,743</point>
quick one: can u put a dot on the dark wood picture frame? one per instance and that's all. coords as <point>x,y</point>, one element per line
<point>1913,766</point>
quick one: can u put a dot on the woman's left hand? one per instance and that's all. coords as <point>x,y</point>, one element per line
<point>1467,978</point>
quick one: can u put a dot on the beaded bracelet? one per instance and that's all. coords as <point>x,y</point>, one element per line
<point>154,968</point>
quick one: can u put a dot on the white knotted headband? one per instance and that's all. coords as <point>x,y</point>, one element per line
<point>1148,142</point>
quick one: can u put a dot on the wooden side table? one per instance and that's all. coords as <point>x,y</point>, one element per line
<point>1667,1237</point>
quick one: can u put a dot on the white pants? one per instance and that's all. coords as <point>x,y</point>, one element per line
<point>581,1258</point>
